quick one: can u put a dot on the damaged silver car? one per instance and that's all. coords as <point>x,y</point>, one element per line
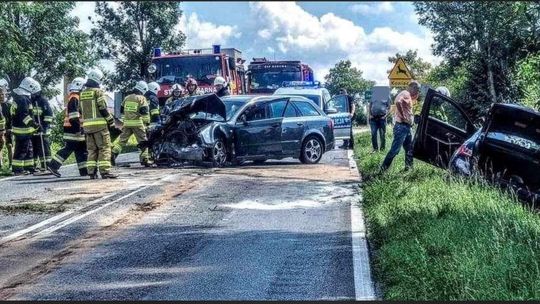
<point>234,129</point>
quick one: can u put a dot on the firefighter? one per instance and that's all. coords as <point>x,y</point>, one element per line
<point>74,141</point>
<point>153,102</point>
<point>135,115</point>
<point>192,87</point>
<point>43,115</point>
<point>23,126</point>
<point>177,93</point>
<point>5,123</point>
<point>97,120</point>
<point>221,87</point>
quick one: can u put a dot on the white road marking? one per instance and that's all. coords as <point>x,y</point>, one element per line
<point>83,215</point>
<point>363,283</point>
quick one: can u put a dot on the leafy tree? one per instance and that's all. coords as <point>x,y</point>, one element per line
<point>419,68</point>
<point>343,75</point>
<point>488,38</point>
<point>527,78</point>
<point>128,33</point>
<point>40,39</point>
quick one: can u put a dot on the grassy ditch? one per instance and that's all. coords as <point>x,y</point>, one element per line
<point>438,237</point>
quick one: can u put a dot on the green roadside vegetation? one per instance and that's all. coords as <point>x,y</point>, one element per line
<point>438,237</point>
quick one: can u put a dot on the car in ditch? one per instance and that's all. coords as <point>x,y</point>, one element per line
<point>234,129</point>
<point>505,148</point>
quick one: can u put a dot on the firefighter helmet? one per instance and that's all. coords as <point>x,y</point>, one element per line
<point>28,87</point>
<point>220,81</point>
<point>141,86</point>
<point>154,87</point>
<point>77,84</point>
<point>95,75</point>
<point>443,90</point>
<point>4,84</point>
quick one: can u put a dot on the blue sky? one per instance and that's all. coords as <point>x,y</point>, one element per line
<point>318,33</point>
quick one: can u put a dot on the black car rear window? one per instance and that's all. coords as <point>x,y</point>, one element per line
<point>515,126</point>
<point>306,109</point>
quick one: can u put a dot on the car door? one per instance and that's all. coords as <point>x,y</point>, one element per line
<point>259,133</point>
<point>442,129</point>
<point>342,120</point>
<point>292,129</point>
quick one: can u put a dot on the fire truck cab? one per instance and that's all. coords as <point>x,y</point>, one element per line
<point>202,64</point>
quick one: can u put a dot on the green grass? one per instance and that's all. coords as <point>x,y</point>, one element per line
<point>438,237</point>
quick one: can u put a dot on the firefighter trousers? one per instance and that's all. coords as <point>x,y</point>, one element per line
<point>23,156</point>
<point>39,153</point>
<point>140,135</point>
<point>98,145</point>
<point>71,146</point>
<point>7,141</point>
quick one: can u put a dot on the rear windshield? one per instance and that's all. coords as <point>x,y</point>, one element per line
<point>516,127</point>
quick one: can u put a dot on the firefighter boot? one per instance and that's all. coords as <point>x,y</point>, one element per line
<point>54,171</point>
<point>109,175</point>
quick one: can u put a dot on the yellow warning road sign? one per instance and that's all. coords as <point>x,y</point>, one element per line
<point>400,75</point>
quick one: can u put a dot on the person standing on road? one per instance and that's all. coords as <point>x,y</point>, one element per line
<point>43,115</point>
<point>403,124</point>
<point>96,123</point>
<point>5,123</point>
<point>23,126</point>
<point>349,143</point>
<point>73,133</point>
<point>136,116</point>
<point>378,112</point>
<point>153,102</point>
<point>221,87</point>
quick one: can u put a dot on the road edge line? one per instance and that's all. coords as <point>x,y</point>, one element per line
<point>364,286</point>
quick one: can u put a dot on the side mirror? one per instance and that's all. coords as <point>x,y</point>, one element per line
<point>331,111</point>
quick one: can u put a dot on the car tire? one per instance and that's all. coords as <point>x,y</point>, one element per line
<point>312,150</point>
<point>259,161</point>
<point>219,154</point>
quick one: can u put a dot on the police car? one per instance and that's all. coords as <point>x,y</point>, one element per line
<point>336,107</point>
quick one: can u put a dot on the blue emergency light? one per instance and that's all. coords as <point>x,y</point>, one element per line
<point>157,52</point>
<point>303,84</point>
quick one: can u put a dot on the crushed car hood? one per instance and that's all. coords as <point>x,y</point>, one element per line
<point>209,103</point>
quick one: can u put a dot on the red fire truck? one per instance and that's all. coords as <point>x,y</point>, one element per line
<point>202,64</point>
<point>265,76</point>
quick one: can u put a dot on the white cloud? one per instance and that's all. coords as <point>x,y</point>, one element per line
<point>321,42</point>
<point>202,34</point>
<point>373,8</point>
<point>83,10</point>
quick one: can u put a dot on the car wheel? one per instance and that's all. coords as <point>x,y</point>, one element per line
<point>259,161</point>
<point>312,150</point>
<point>219,154</point>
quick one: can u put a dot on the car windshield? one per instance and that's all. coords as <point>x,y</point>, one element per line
<point>177,69</point>
<point>273,78</point>
<point>232,107</point>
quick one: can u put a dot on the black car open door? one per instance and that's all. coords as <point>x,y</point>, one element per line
<point>443,127</point>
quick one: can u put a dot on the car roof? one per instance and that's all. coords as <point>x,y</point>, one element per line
<point>299,90</point>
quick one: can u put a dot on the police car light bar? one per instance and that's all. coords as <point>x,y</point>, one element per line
<point>314,84</point>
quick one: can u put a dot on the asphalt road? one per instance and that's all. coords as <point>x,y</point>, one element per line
<point>278,231</point>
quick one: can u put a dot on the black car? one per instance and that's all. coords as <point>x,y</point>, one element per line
<point>238,128</point>
<point>505,148</point>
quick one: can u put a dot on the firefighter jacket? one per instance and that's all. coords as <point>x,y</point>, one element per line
<point>93,109</point>
<point>153,102</point>
<point>5,107</point>
<point>72,120</point>
<point>134,111</point>
<point>22,122</point>
<point>42,113</point>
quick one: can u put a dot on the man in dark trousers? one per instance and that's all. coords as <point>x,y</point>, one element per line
<point>74,139</point>
<point>378,110</point>
<point>43,115</point>
<point>349,143</point>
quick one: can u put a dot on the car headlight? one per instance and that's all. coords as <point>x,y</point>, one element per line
<point>152,68</point>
